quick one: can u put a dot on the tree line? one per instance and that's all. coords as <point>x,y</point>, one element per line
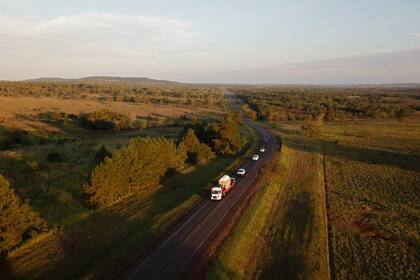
<point>122,92</point>
<point>299,103</point>
<point>145,161</point>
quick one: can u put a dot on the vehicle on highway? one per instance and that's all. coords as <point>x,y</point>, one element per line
<point>265,140</point>
<point>262,149</point>
<point>226,183</point>
<point>241,172</point>
<point>255,157</point>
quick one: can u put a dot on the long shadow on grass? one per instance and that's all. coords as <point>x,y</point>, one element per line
<point>6,272</point>
<point>394,159</point>
<point>292,237</point>
<point>102,242</point>
<point>106,238</point>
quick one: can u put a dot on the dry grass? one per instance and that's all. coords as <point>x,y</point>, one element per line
<point>23,111</point>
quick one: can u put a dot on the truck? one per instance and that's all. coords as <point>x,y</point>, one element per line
<point>225,184</point>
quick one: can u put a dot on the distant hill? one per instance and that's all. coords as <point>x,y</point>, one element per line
<point>106,79</point>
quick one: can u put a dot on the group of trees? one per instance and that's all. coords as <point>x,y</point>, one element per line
<point>145,161</point>
<point>136,167</point>
<point>223,137</point>
<point>300,103</point>
<point>18,221</point>
<point>197,152</point>
<point>105,120</point>
<point>249,112</point>
<point>118,91</point>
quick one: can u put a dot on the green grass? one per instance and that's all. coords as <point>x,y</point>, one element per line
<point>102,242</point>
<point>241,254</point>
<point>55,189</point>
<point>374,206</point>
<point>372,173</point>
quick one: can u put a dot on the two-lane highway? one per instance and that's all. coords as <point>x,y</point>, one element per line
<point>187,242</point>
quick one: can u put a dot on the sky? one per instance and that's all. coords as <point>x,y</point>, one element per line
<point>223,41</point>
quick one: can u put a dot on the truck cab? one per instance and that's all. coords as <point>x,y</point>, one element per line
<point>216,193</point>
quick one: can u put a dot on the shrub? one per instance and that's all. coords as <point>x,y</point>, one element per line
<point>105,120</point>
<point>141,124</point>
<point>136,167</point>
<point>17,219</point>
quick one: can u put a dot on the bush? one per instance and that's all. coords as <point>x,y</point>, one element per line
<point>136,167</point>
<point>105,120</point>
<point>140,124</point>
<point>17,219</point>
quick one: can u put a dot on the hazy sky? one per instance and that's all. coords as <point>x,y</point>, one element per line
<point>313,41</point>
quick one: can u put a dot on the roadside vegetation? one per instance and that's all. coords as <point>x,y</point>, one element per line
<point>105,240</point>
<point>283,233</point>
<point>365,141</point>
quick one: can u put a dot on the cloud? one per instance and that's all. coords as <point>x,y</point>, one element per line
<point>96,34</point>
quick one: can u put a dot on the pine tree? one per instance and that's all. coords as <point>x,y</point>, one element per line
<point>17,219</point>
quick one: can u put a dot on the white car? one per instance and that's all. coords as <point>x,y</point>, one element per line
<point>262,149</point>
<point>241,172</point>
<point>255,157</point>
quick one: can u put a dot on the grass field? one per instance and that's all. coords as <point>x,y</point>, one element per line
<point>283,234</point>
<point>101,242</point>
<point>373,178</point>
<point>24,112</point>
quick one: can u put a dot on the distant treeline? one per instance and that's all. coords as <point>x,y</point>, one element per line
<point>177,95</point>
<point>277,103</point>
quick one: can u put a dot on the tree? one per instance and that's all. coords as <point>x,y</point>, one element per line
<point>137,167</point>
<point>226,135</point>
<point>198,153</point>
<point>17,219</point>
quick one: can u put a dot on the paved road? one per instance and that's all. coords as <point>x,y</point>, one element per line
<point>187,242</point>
